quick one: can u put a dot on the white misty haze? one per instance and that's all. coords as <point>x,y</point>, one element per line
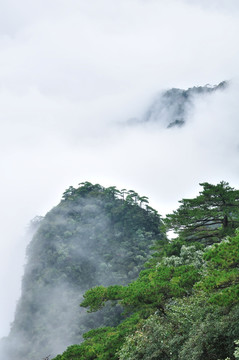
<point>72,71</point>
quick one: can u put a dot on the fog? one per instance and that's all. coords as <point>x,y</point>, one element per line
<point>76,247</point>
<point>72,74</point>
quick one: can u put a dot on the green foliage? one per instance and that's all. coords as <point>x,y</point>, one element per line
<point>224,255</point>
<point>149,292</point>
<point>140,299</point>
<point>189,255</point>
<point>208,217</point>
<point>162,336</point>
<point>222,278</point>
<point>103,343</point>
<point>191,329</point>
<point>213,337</point>
<point>182,306</point>
<point>151,341</point>
<point>186,303</point>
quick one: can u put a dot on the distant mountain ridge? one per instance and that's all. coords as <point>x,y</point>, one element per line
<point>172,107</point>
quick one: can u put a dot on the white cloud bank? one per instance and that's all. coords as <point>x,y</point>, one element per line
<point>71,71</point>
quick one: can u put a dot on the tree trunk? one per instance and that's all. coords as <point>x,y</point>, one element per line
<point>225,222</point>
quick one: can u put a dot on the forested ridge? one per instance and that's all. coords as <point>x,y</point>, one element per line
<point>184,304</point>
<point>142,295</point>
<point>95,236</point>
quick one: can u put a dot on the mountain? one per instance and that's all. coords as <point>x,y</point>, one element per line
<point>185,304</point>
<point>172,107</point>
<point>95,236</point>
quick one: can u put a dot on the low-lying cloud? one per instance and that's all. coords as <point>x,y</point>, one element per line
<point>71,75</point>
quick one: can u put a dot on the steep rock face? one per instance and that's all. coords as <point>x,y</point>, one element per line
<point>172,107</point>
<point>95,236</point>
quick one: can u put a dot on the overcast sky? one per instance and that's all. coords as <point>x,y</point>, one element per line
<point>72,72</point>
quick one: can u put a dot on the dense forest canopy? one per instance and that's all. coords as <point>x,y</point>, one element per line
<point>142,295</point>
<point>184,304</point>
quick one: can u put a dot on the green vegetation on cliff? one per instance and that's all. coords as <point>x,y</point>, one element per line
<point>142,295</point>
<point>185,304</point>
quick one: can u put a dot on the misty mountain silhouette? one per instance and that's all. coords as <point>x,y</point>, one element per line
<point>172,106</point>
<point>95,236</point>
